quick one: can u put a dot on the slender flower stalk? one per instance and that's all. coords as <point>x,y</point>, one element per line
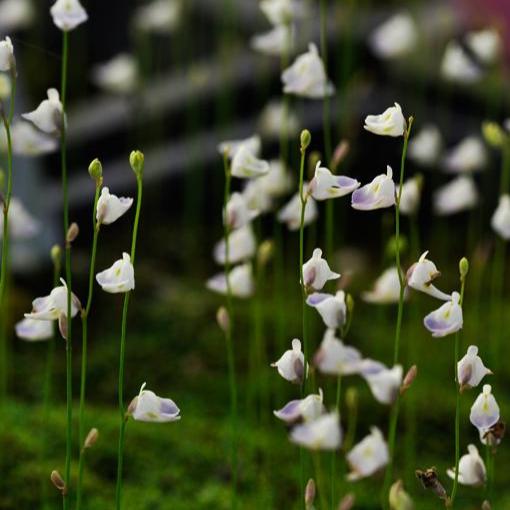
<point>228,338</point>
<point>463,269</point>
<point>396,346</point>
<point>48,376</point>
<point>6,199</point>
<point>136,160</point>
<point>84,322</point>
<point>334,499</point>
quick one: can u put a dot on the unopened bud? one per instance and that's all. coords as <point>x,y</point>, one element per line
<point>341,151</point>
<point>408,379</point>
<point>347,502</point>
<point>493,133</point>
<point>265,252</point>
<point>310,494</point>
<point>58,482</point>
<point>349,303</point>
<point>463,267</point>
<point>486,505</point>
<point>91,438</point>
<point>399,499</point>
<point>351,398</point>
<point>56,254</point>
<point>305,138</point>
<point>72,233</point>
<point>96,169</point>
<point>136,160</point>
<point>223,319</point>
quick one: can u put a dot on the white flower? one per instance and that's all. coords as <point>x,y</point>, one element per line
<point>239,213</point>
<point>241,246</point>
<point>231,147</point>
<point>276,120</point>
<point>500,221</point>
<point>147,406</point>
<point>119,75</point>
<point>323,433</point>
<point>158,16</point>
<point>306,409</point>
<point>421,275</point>
<point>256,197</point>
<point>389,123</point>
<point>386,288</point>
<point>485,44</point>
<point>469,156</point>
<point>425,146</point>
<point>277,181</point>
<point>7,61</point>
<point>48,115</point>
<point>447,319</point>
<point>395,38</point>
<point>240,279</point>
<point>34,330</point>
<point>290,214</point>
<point>458,195</point>
<point>54,305</point>
<point>336,358</point>
<point>27,140</point>
<point>15,15</point>
<point>470,369</point>
<point>281,12</point>
<point>246,165</point>
<point>279,40</point>
<point>485,410</point>
<point>410,196</point>
<point>120,277</point>
<point>471,468</point>
<point>325,185</point>
<point>307,77</point>
<point>457,65</point>
<point>291,366</point>
<point>111,207</point>
<point>378,194</point>
<point>68,14</point>
<point>368,456</point>
<point>22,225</point>
<point>383,382</point>
<point>316,271</point>
<point>332,309</point>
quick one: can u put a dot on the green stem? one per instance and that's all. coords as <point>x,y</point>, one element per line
<point>84,322</point>
<point>228,337</point>
<point>319,480</point>
<point>457,401</point>
<point>334,453</point>
<point>122,353</point>
<point>396,346</point>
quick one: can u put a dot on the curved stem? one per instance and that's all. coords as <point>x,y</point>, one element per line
<point>84,322</point>
<point>228,338</point>
<point>122,353</point>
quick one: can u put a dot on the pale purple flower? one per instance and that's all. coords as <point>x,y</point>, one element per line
<point>369,456</point>
<point>421,275</point>
<point>331,308</point>
<point>323,433</point>
<point>485,410</point>
<point>383,382</point>
<point>241,246</point>
<point>291,366</point>
<point>389,123</point>
<point>240,279</point>
<point>471,468</point>
<point>325,185</point>
<point>316,271</point>
<point>305,409</point>
<point>335,358</point>
<point>53,306</point>
<point>147,406</point>
<point>447,319</point>
<point>34,330</point>
<point>378,194</point>
<point>470,369</point>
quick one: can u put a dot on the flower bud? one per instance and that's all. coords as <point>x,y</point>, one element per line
<point>310,494</point>
<point>58,482</point>
<point>463,267</point>
<point>91,438</point>
<point>391,247</point>
<point>305,138</point>
<point>96,169</point>
<point>349,303</point>
<point>265,252</point>
<point>223,319</point>
<point>136,160</point>
<point>340,153</point>
<point>56,254</point>
<point>399,498</point>
<point>351,399</point>
<point>486,505</point>
<point>408,379</point>
<point>493,134</point>
<point>347,502</point>
<point>72,232</point>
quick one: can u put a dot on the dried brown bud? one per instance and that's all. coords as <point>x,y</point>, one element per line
<point>408,379</point>
<point>347,502</point>
<point>223,319</point>
<point>58,482</point>
<point>72,233</point>
<point>341,151</point>
<point>495,434</point>
<point>310,494</point>
<point>430,480</point>
<point>91,438</point>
